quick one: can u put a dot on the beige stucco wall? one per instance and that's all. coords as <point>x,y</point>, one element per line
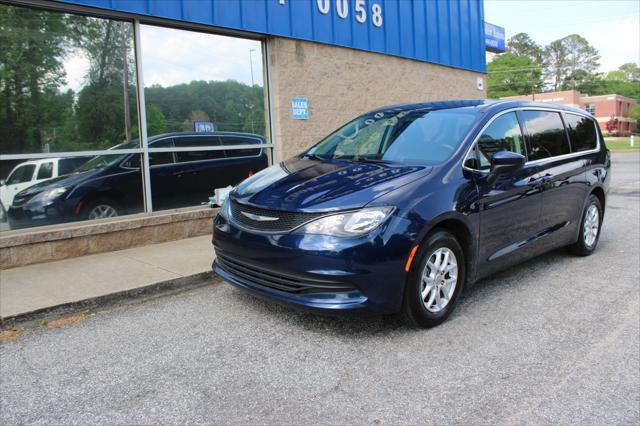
<point>342,83</point>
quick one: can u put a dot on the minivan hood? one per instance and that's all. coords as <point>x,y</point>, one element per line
<point>311,185</point>
<point>67,181</point>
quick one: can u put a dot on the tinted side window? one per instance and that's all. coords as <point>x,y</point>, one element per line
<point>156,158</point>
<point>502,135</point>
<point>235,140</point>
<point>582,132</point>
<point>21,174</point>
<point>545,134</point>
<point>68,165</point>
<point>45,171</point>
<point>200,142</point>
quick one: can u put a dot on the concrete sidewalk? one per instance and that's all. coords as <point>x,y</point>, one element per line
<point>45,285</point>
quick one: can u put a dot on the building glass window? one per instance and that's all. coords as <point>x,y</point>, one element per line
<point>199,88</point>
<point>590,108</point>
<point>69,94</point>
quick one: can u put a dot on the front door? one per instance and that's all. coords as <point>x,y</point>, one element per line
<point>510,207</point>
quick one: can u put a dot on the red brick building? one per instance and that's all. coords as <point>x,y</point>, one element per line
<point>605,108</point>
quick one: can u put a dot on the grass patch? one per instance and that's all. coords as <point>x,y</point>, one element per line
<point>622,144</point>
<point>66,321</point>
<point>11,334</point>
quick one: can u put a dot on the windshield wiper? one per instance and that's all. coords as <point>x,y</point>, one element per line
<point>371,160</point>
<point>313,157</point>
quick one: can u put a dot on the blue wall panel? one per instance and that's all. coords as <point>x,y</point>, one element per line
<point>447,32</point>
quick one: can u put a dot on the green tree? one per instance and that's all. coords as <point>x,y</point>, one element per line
<point>156,122</point>
<point>568,61</point>
<point>631,70</point>
<point>523,45</point>
<point>510,75</point>
<point>33,45</point>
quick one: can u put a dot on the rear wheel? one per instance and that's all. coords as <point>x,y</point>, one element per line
<point>589,228</point>
<point>101,209</point>
<point>436,281</point>
<point>3,213</point>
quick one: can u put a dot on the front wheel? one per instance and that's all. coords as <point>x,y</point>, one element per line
<point>589,228</point>
<point>101,209</point>
<point>434,283</point>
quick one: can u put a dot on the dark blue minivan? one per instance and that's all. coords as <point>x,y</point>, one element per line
<point>404,206</point>
<point>111,185</point>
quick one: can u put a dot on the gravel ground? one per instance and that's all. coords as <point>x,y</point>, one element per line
<point>555,340</point>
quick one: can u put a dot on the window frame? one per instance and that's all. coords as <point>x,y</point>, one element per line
<point>542,160</point>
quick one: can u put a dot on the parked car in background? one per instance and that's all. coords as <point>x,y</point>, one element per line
<point>110,185</point>
<point>32,172</point>
<point>403,207</point>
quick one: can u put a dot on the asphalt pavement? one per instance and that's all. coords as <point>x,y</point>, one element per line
<point>554,340</point>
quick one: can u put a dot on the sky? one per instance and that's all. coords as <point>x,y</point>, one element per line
<point>171,56</point>
<point>611,26</point>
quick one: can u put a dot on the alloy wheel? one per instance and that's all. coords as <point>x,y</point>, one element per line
<point>591,225</point>
<point>439,279</point>
<point>102,211</point>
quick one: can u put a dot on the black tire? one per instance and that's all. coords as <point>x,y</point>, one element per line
<point>581,246</point>
<point>3,214</point>
<point>96,203</point>
<point>414,309</point>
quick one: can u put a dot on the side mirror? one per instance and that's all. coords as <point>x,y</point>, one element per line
<point>504,162</point>
<point>3,182</point>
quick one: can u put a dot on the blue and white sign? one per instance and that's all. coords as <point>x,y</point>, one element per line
<point>494,38</point>
<point>203,126</point>
<point>300,108</point>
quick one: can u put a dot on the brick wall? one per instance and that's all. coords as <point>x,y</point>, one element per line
<point>342,83</point>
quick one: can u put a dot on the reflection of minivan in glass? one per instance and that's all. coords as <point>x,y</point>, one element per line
<point>32,172</point>
<point>111,184</point>
<point>403,207</point>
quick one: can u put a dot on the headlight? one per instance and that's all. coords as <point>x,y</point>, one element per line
<point>352,224</point>
<point>224,208</point>
<point>48,195</point>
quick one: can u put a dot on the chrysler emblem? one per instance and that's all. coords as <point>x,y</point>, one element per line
<point>259,218</point>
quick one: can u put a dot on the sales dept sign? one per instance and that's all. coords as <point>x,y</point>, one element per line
<point>300,108</point>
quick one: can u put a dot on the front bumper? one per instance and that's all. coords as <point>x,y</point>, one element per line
<point>338,275</point>
<point>27,216</point>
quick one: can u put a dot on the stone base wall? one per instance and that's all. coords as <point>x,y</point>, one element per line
<point>342,83</point>
<point>62,242</point>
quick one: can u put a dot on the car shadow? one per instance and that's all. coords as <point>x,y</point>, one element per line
<point>481,296</point>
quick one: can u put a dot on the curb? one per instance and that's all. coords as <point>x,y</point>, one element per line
<point>152,291</point>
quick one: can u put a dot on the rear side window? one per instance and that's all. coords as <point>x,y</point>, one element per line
<point>157,158</point>
<point>545,134</point>
<point>45,171</point>
<point>582,132</point>
<point>502,135</point>
<point>21,174</point>
<point>199,142</point>
<point>235,140</point>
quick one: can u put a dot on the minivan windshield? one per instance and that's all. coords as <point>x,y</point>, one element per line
<point>101,161</point>
<point>421,136</point>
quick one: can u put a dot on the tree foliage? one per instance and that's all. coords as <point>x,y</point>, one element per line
<point>565,64</point>
<point>523,45</point>
<point>506,76</point>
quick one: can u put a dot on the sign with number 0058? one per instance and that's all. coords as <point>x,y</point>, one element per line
<point>342,9</point>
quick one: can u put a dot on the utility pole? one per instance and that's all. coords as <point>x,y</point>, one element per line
<point>251,62</point>
<point>125,87</point>
<point>533,91</point>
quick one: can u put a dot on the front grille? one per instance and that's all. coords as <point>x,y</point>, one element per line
<point>285,221</point>
<point>276,280</point>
